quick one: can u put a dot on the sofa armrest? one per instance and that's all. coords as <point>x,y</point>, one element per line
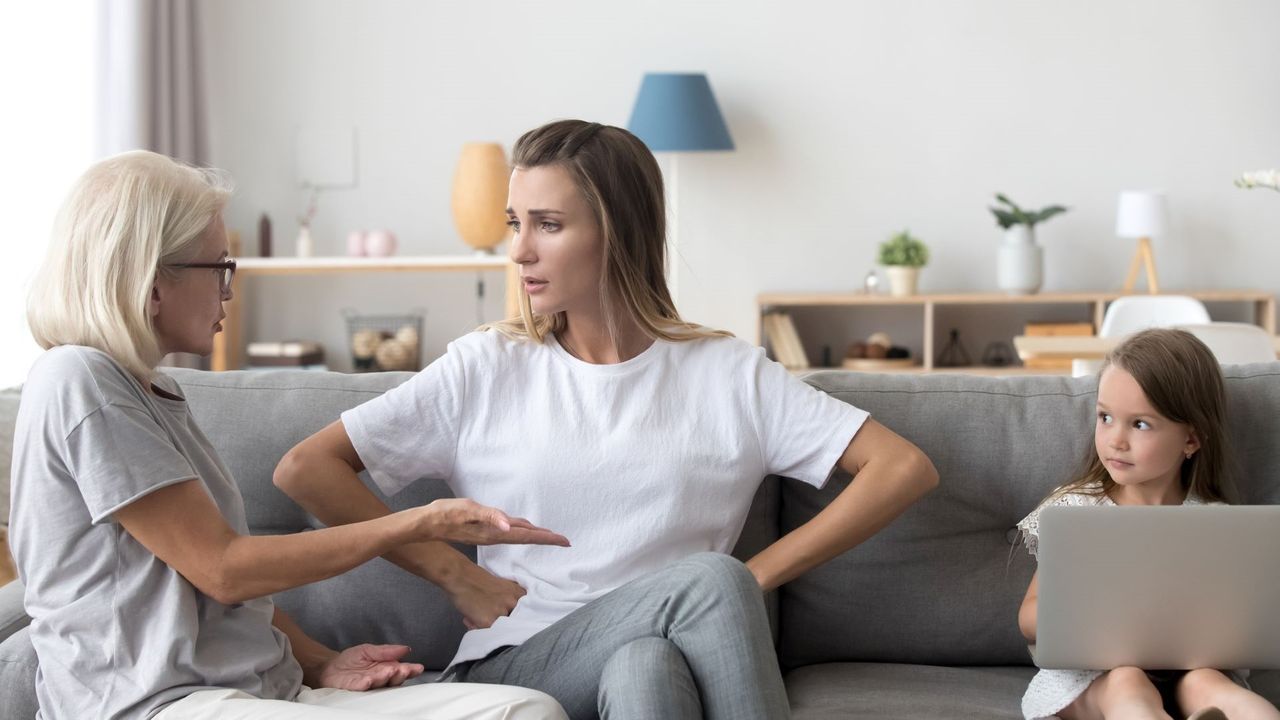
<point>12,615</point>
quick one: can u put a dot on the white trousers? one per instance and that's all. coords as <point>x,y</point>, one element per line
<point>430,701</point>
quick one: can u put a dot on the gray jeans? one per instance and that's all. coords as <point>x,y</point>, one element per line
<point>691,641</point>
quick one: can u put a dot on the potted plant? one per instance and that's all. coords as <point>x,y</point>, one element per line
<point>902,257</point>
<point>1020,261</point>
<point>1259,179</point>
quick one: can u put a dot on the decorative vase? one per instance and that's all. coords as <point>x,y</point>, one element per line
<point>305,247</point>
<point>480,196</point>
<point>1019,262</point>
<point>902,279</point>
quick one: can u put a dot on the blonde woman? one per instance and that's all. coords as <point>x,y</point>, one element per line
<point>640,436</point>
<point>148,598</point>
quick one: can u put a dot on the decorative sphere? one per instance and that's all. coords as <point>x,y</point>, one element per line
<point>394,355</point>
<point>380,243</point>
<point>408,335</point>
<point>355,243</point>
<point>364,343</point>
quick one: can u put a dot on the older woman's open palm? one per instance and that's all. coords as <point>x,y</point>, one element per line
<point>469,522</point>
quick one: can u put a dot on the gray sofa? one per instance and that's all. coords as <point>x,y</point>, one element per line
<point>920,622</point>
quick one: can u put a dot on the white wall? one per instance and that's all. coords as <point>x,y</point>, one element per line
<point>851,120</point>
<point>47,73</point>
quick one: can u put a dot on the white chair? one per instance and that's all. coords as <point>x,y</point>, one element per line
<point>1235,343</point>
<point>1131,313</point>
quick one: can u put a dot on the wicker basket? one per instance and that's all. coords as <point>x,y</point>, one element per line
<point>385,342</point>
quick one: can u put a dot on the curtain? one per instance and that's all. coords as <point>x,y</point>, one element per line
<point>151,87</point>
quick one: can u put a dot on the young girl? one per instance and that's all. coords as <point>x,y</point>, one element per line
<point>640,436</point>
<point>1158,440</point>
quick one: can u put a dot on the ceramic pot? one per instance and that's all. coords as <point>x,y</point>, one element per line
<point>902,279</point>
<point>1019,262</point>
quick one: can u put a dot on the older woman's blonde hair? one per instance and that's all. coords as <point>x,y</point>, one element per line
<point>126,220</point>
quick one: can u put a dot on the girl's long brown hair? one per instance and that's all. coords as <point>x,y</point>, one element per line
<point>621,182</point>
<point>1183,382</point>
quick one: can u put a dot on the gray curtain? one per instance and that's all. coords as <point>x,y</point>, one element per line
<point>151,89</point>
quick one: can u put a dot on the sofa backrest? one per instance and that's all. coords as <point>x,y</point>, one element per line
<point>254,418</point>
<point>942,585</point>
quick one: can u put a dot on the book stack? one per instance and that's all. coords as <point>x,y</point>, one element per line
<point>780,333</point>
<point>287,354</point>
<point>1051,330</point>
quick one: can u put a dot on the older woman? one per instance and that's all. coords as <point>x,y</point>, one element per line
<point>148,597</point>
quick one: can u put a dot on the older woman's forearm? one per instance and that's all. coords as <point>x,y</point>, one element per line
<point>253,566</point>
<point>328,488</point>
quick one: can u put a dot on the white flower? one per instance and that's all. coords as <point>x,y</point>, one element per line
<point>1260,178</point>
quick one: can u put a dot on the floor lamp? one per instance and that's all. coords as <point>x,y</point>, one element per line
<point>675,113</point>
<point>1142,215</point>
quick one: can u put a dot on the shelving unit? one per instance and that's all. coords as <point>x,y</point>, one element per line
<point>228,345</point>
<point>832,319</point>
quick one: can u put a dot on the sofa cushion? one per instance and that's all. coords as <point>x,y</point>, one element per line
<point>942,585</point>
<point>254,418</point>
<point>905,692</point>
<point>1267,684</point>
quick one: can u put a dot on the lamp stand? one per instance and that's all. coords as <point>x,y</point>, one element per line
<point>673,232</point>
<point>1145,257</point>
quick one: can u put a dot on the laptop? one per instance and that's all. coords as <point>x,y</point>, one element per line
<point>1160,588</point>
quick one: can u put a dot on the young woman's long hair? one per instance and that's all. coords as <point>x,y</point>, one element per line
<point>127,218</point>
<point>1183,382</point>
<point>621,182</point>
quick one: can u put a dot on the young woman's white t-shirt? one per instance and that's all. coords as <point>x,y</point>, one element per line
<point>639,463</point>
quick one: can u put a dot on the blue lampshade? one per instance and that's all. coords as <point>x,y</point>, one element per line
<point>676,112</point>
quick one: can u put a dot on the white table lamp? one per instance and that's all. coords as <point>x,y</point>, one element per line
<point>1142,215</point>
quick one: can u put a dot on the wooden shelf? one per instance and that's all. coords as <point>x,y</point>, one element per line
<point>1092,304</point>
<point>228,346</point>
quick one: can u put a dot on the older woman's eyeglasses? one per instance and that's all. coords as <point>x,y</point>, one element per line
<point>225,271</point>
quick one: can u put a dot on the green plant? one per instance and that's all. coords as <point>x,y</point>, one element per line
<point>904,249</point>
<point>1011,214</point>
<point>1260,178</point>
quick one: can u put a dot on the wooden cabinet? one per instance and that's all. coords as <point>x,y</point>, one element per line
<point>831,321</point>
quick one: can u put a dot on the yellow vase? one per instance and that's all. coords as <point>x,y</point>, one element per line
<point>480,196</point>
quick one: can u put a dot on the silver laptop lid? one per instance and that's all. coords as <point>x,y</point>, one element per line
<point>1165,587</point>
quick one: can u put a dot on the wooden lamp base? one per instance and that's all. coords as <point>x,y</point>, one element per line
<point>1146,258</point>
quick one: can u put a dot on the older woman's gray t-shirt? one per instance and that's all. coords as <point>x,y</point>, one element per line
<point>118,632</point>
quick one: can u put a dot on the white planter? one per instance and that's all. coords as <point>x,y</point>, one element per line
<point>1019,262</point>
<point>902,279</point>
